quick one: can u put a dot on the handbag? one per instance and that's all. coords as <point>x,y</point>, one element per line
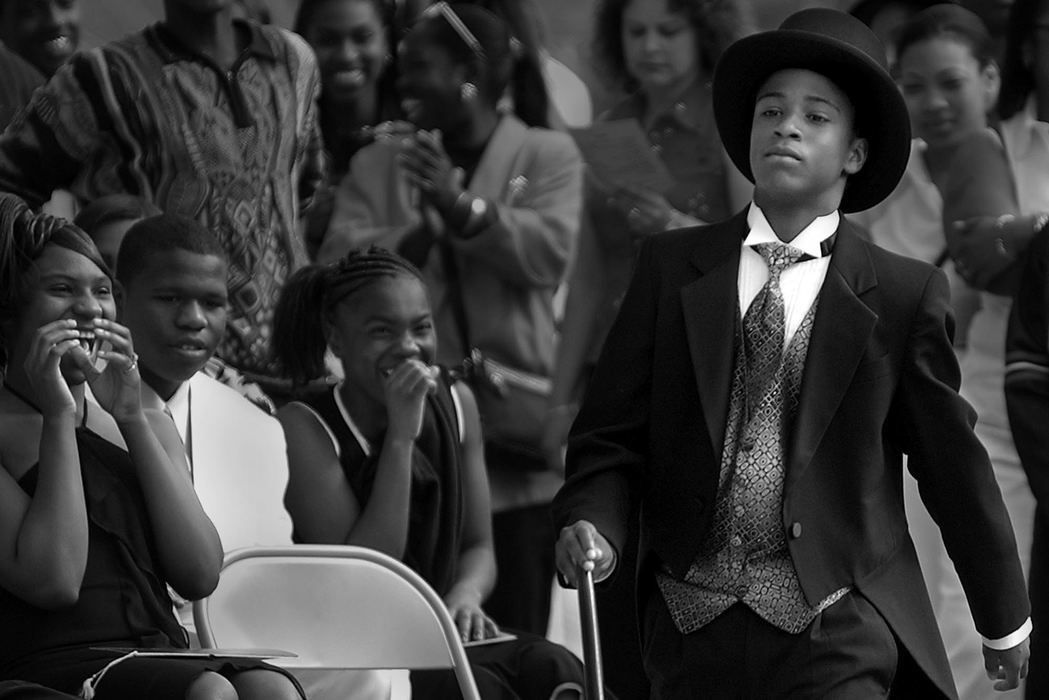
<point>513,403</point>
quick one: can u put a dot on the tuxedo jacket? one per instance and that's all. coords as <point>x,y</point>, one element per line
<point>880,381</point>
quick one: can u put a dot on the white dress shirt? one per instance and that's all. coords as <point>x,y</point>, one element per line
<point>178,408</point>
<point>801,282</point>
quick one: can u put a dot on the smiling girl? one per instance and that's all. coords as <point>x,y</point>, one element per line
<point>352,41</point>
<point>392,458</point>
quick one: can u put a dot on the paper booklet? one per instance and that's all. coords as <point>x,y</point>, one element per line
<point>619,155</point>
<point>501,637</point>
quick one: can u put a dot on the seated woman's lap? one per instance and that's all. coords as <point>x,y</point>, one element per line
<point>22,690</point>
<point>139,677</point>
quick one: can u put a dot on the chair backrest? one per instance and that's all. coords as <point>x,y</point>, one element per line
<point>337,607</point>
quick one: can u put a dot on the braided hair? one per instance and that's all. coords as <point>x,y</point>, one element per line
<point>24,235</point>
<point>308,298</point>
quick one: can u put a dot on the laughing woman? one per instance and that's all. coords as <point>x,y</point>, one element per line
<point>97,512</point>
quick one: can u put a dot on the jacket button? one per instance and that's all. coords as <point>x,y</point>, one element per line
<point>795,530</point>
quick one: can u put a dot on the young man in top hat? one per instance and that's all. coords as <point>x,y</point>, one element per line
<point>753,403</point>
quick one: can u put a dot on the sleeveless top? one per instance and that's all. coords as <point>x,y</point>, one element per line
<point>123,597</point>
<point>435,517</point>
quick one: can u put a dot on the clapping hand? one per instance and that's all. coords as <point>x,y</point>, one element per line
<point>431,169</point>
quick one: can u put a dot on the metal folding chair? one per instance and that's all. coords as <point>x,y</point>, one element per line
<point>337,607</point>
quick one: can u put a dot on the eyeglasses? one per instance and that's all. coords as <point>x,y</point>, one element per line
<point>445,10</point>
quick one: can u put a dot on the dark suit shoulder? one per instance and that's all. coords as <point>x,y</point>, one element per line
<point>892,268</point>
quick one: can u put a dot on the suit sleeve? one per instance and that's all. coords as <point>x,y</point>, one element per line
<point>953,471</point>
<point>1027,369</point>
<point>607,447</point>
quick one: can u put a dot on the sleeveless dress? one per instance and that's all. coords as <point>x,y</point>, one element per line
<point>528,668</point>
<point>123,601</point>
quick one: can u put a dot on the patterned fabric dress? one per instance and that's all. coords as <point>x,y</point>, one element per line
<point>235,150</point>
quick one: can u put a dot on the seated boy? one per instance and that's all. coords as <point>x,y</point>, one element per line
<point>172,277</point>
<point>755,398</point>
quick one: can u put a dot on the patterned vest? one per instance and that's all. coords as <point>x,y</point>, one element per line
<point>744,557</point>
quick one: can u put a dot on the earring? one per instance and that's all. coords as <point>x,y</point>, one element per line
<point>468,92</point>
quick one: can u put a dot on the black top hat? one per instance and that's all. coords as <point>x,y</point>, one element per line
<point>843,49</point>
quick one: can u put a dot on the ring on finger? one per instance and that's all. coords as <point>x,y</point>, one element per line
<point>134,363</point>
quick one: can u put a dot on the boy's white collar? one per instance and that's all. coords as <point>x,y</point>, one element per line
<point>808,241</point>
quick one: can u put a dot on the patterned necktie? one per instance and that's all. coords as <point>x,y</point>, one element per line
<point>763,325</point>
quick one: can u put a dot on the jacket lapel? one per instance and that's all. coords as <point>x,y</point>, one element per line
<point>495,170</point>
<point>709,304</point>
<point>840,335</point>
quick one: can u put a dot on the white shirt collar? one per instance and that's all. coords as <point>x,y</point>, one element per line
<point>177,406</point>
<point>808,241</point>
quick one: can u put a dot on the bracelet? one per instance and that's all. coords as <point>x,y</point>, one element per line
<point>459,213</point>
<point>478,213</point>
<point>1039,222</point>
<point>475,211</point>
<point>999,241</point>
<point>469,211</point>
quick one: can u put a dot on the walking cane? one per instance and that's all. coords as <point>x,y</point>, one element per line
<point>595,675</point>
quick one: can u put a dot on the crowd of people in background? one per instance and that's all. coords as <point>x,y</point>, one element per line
<point>347,283</point>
